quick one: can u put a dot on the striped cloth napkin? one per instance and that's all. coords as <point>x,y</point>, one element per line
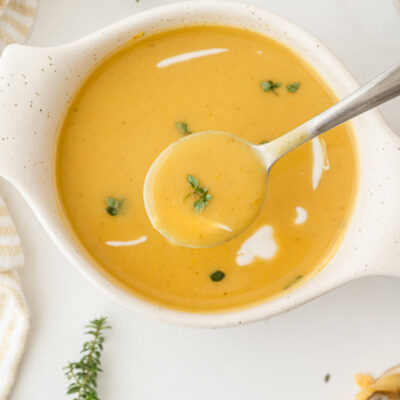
<point>16,19</point>
<point>13,310</point>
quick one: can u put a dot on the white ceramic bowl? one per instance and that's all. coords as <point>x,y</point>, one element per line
<point>36,85</point>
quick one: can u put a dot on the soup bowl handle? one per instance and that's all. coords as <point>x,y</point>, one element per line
<point>36,86</point>
<point>29,114</point>
<point>381,240</point>
<point>9,116</point>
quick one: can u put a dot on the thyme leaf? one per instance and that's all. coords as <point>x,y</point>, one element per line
<point>293,87</point>
<point>290,284</point>
<point>183,128</point>
<point>113,205</point>
<point>201,192</point>
<point>217,276</point>
<point>270,86</point>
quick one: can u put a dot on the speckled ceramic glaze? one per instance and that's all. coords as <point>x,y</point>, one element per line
<point>37,84</point>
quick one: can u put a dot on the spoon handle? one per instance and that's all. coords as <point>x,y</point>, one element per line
<point>383,88</point>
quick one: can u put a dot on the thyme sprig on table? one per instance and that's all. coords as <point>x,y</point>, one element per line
<point>201,192</point>
<point>84,373</point>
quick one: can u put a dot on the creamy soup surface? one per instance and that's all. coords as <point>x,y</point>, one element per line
<point>161,87</point>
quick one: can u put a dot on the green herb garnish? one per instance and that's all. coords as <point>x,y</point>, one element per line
<point>270,86</point>
<point>84,373</point>
<point>293,282</point>
<point>201,192</point>
<point>183,128</point>
<point>264,141</point>
<point>293,87</point>
<point>217,276</point>
<point>113,205</point>
<point>327,378</point>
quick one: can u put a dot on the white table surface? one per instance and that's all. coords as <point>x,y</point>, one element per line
<point>355,328</point>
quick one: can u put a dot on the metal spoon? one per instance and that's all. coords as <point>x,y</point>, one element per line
<point>383,88</point>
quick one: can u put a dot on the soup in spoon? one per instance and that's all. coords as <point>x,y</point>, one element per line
<point>138,102</point>
<point>205,189</point>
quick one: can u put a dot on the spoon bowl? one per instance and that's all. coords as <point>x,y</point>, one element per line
<point>195,199</point>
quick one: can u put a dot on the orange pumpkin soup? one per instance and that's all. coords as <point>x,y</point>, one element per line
<point>161,87</point>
